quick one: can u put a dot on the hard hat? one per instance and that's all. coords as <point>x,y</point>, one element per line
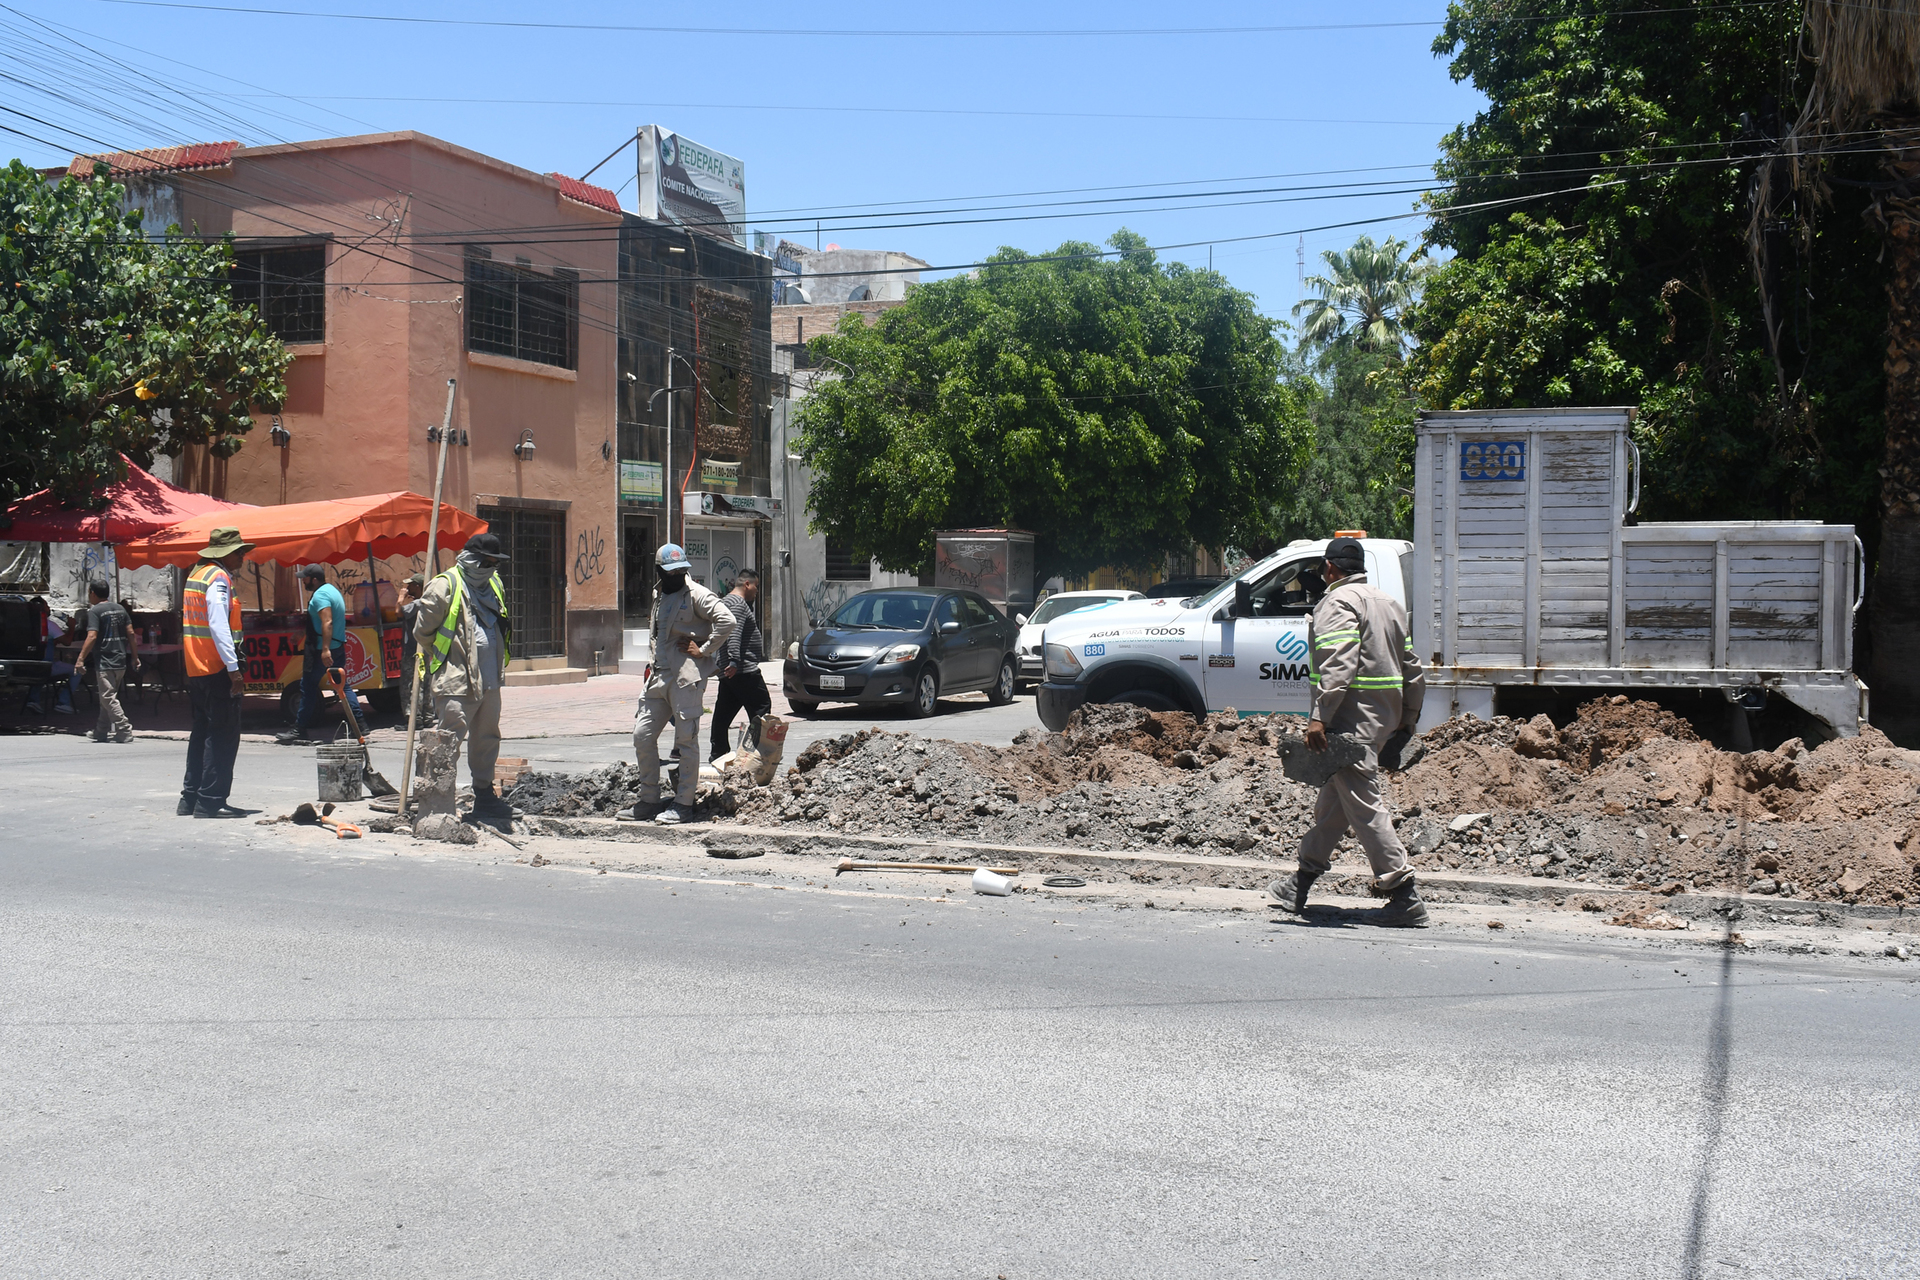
<point>672,559</point>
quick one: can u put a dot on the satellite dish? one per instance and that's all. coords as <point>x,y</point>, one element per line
<point>861,294</point>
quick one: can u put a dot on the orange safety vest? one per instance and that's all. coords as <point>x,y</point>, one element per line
<point>196,636</point>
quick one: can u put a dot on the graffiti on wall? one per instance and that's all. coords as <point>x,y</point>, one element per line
<point>588,562</point>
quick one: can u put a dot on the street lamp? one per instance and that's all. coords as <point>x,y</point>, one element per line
<point>524,449</point>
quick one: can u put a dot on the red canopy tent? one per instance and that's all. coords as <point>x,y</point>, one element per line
<point>135,507</point>
<point>377,525</point>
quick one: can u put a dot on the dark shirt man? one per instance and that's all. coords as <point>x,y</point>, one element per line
<point>741,686</point>
<point>109,645</point>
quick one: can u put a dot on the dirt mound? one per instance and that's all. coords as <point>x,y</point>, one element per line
<point>602,793</point>
<point>1629,794</point>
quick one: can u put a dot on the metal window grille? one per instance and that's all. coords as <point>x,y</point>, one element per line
<point>515,311</point>
<point>844,566</point>
<point>288,287</point>
<point>533,578</point>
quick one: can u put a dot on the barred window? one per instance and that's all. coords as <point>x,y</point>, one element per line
<point>516,311</point>
<point>288,287</point>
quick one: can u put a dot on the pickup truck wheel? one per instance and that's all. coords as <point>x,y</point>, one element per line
<point>1003,685</point>
<point>1146,698</point>
<point>926,695</point>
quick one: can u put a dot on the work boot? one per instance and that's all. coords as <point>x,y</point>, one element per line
<point>1404,910</point>
<point>642,811</point>
<point>186,807</point>
<point>124,737</point>
<point>673,815</point>
<point>1291,891</point>
<point>219,811</point>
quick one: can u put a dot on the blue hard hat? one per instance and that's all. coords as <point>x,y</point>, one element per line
<point>671,558</point>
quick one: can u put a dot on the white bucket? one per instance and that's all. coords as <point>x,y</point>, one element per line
<point>985,881</point>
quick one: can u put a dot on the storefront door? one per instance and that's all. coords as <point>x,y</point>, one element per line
<point>534,578</point>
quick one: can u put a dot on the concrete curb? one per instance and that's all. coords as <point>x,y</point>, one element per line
<point>1199,869</point>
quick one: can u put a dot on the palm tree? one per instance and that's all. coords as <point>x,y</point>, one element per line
<point>1866,93</point>
<point>1362,298</point>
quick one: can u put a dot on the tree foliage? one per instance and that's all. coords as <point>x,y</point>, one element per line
<point>1118,408</point>
<point>111,342</point>
<point>1622,273</point>
<point>1360,468</point>
<point>1363,298</point>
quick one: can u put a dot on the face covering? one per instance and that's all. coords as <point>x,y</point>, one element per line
<point>473,566</point>
<point>672,582</point>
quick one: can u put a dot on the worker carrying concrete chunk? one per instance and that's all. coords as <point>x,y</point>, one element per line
<point>1367,684</point>
<point>689,626</point>
<point>462,629</point>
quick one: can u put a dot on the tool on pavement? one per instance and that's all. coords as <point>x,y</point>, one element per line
<point>376,785</point>
<point>307,816</point>
<point>953,868</point>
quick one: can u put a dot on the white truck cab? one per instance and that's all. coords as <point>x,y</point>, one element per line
<point>1242,645</point>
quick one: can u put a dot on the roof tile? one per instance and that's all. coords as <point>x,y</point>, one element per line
<point>586,193</point>
<point>194,155</point>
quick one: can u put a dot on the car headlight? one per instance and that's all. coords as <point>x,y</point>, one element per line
<point>900,653</point>
<point>1061,663</point>
<point>793,652</point>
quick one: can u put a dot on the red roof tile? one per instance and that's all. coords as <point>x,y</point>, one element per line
<point>195,155</point>
<point>586,193</point>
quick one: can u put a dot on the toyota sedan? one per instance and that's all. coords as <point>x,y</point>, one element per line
<point>906,647</point>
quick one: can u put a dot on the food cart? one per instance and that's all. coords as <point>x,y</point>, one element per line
<point>344,531</point>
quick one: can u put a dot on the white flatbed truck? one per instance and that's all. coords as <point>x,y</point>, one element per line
<point>1526,583</point>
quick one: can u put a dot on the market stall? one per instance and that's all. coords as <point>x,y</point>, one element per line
<point>343,532</point>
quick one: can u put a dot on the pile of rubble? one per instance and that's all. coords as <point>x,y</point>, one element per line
<point>1626,794</point>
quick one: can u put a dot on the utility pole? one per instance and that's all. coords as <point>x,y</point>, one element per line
<point>668,495</point>
<point>1300,270</point>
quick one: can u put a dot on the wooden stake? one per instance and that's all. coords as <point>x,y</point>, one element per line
<point>419,657</point>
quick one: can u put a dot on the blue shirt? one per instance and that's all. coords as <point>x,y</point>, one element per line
<point>329,597</point>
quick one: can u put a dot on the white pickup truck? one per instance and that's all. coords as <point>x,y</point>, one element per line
<point>1242,645</point>
<point>1527,583</point>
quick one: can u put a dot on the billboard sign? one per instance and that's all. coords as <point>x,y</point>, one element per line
<point>694,186</point>
<point>642,481</point>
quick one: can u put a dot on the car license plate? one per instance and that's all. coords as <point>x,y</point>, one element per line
<point>833,682</point>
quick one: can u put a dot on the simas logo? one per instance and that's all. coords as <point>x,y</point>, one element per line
<point>1291,672</point>
<point>1292,646</point>
<point>1094,651</point>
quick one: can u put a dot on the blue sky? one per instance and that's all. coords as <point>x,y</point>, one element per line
<point>833,111</point>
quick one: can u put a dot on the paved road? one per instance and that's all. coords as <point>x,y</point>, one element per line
<point>223,1053</point>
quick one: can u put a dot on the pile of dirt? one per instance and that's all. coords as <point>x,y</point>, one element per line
<point>1628,794</point>
<point>1116,778</point>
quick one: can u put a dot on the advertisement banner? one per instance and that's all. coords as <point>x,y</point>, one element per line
<point>695,186</point>
<point>642,482</point>
<point>273,659</point>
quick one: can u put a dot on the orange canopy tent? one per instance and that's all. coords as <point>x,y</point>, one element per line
<point>380,525</point>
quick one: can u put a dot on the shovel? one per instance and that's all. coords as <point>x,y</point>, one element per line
<point>307,816</point>
<point>376,785</point>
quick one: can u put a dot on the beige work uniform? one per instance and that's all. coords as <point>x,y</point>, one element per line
<point>678,685</point>
<point>465,704</point>
<point>1367,683</point>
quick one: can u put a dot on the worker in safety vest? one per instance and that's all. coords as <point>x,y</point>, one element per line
<point>462,629</point>
<point>689,626</point>
<point>1367,684</point>
<point>209,633</point>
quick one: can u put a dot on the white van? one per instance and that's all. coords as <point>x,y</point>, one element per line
<point>1242,645</point>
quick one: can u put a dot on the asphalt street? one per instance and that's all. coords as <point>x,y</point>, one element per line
<point>227,1053</point>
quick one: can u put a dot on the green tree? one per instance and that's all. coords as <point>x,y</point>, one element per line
<point>1621,274</point>
<point>111,342</point>
<point>1118,408</point>
<point>1363,297</point>
<point>1360,467</point>
<point>1865,98</point>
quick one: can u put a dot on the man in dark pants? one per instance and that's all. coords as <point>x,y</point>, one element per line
<point>209,628</point>
<point>325,651</point>
<point>741,686</point>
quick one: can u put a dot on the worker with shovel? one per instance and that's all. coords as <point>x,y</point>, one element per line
<point>1368,685</point>
<point>463,629</point>
<point>689,626</point>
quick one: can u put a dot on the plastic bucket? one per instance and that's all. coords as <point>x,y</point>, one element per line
<point>341,765</point>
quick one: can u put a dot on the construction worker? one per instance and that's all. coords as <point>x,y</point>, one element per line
<point>689,626</point>
<point>209,628</point>
<point>463,630</point>
<point>1367,684</point>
